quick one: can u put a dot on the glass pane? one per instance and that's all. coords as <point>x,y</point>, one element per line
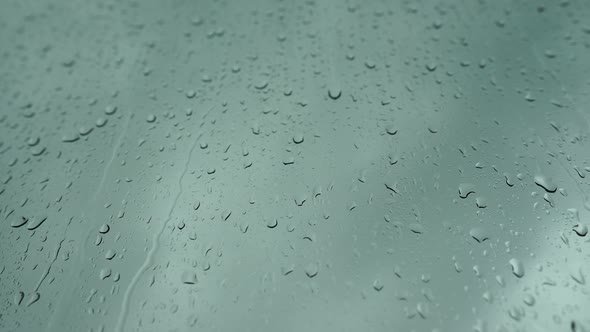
<point>294,165</point>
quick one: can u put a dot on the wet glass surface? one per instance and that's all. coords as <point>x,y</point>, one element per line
<point>294,165</point>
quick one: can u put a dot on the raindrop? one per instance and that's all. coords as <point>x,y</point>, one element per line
<point>18,298</point>
<point>300,199</point>
<point>85,130</point>
<point>465,189</point>
<point>481,202</point>
<point>417,228</point>
<point>105,273</point>
<point>272,223</point>
<point>311,270</point>
<point>529,300</point>
<point>109,254</point>
<point>581,229</point>
<point>191,94</point>
<point>104,229</point>
<point>479,234</point>
<point>110,110</point>
<point>391,130</point>
<point>36,222</point>
<point>18,222</point>
<point>517,267</point>
<point>377,285</point>
<point>334,93</point>
<point>189,277</point>
<point>298,138</point>
<point>545,183</point>
<point>100,122</point>
<point>34,298</point>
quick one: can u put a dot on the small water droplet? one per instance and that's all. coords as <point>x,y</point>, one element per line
<point>378,285</point>
<point>311,270</point>
<point>479,234</point>
<point>334,93</point>
<point>189,277</point>
<point>36,222</point>
<point>517,267</point>
<point>465,189</point>
<point>581,229</point>
<point>110,110</point>
<point>417,228</point>
<point>545,183</point>
<point>34,298</point>
<point>104,228</point>
<point>100,122</point>
<point>109,254</point>
<point>481,202</point>
<point>298,138</point>
<point>391,130</point>
<point>272,223</point>
<point>84,130</point>
<point>105,273</point>
<point>18,222</point>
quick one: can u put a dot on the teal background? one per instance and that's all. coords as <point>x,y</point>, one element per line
<point>270,165</point>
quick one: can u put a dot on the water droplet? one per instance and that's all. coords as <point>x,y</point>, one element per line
<point>391,130</point>
<point>34,298</point>
<point>391,186</point>
<point>311,270</point>
<point>509,179</point>
<point>18,222</point>
<point>529,300</point>
<point>33,141</point>
<point>517,267</point>
<point>255,129</point>
<point>377,285</point>
<point>334,93</point>
<point>545,183</point>
<point>370,64</point>
<point>285,270</point>
<point>465,189</point>
<point>272,223</point>
<point>191,94</point>
<point>225,215</point>
<point>300,199</point>
<point>189,277</point>
<point>70,137</point>
<point>196,205</point>
<point>261,85</point>
<point>581,229</point>
<point>479,234</point>
<point>109,254</point>
<point>417,228</point>
<point>298,138</point>
<point>100,122</point>
<point>36,222</point>
<point>105,273</point>
<point>18,298</point>
<point>110,110</point>
<point>104,228</point>
<point>84,130</point>
<point>529,97</point>
<point>481,202</point>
